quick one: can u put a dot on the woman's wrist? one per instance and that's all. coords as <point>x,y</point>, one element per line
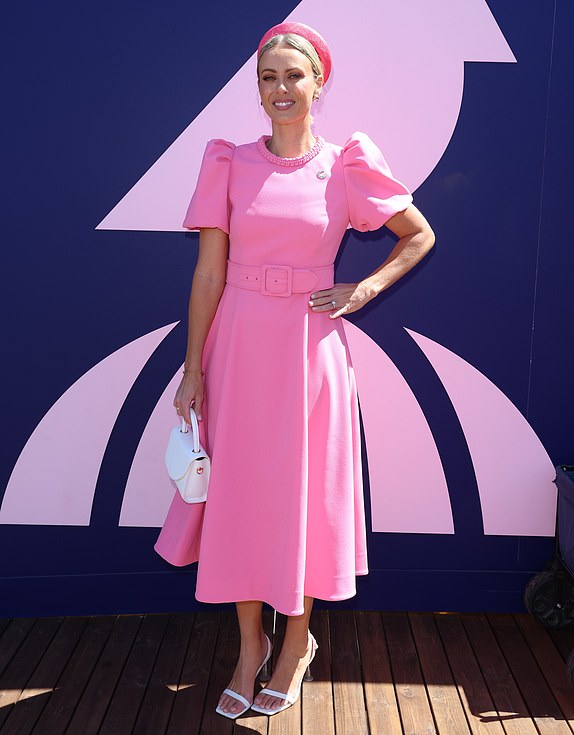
<point>371,287</point>
<point>192,361</point>
<point>192,371</point>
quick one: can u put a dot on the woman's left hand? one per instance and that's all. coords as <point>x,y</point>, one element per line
<point>340,299</point>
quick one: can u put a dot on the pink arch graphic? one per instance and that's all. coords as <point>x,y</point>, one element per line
<point>427,73</point>
<point>513,471</point>
<point>54,479</point>
<point>149,490</point>
<point>400,446</point>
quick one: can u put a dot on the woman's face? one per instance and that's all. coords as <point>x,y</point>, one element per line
<point>286,84</point>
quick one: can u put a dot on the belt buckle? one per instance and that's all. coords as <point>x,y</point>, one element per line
<point>272,280</point>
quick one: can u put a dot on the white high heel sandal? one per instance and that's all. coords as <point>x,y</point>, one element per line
<point>289,699</point>
<point>239,697</point>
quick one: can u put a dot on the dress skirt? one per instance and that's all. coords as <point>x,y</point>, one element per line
<point>284,516</point>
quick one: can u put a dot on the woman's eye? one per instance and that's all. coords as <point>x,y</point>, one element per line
<point>270,78</point>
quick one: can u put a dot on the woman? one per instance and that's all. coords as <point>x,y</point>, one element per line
<point>268,367</point>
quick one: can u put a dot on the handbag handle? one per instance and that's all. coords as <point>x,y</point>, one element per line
<point>195,429</point>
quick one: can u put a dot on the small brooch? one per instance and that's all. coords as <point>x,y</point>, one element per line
<point>321,174</point>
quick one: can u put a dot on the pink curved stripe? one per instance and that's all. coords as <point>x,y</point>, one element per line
<point>400,446</point>
<point>513,471</point>
<point>442,35</point>
<point>54,479</point>
<point>149,490</point>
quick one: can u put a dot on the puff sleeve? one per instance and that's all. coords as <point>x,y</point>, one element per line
<point>373,194</point>
<point>209,205</point>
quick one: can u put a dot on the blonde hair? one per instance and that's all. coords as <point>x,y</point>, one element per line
<point>300,44</point>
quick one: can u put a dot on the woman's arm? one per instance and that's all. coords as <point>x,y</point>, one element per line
<point>206,289</point>
<point>416,238</point>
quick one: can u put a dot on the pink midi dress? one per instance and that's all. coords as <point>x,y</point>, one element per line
<point>285,514</point>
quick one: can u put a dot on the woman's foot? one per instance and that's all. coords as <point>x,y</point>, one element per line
<point>243,679</point>
<point>287,674</point>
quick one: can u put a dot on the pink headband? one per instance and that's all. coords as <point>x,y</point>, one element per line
<point>314,38</point>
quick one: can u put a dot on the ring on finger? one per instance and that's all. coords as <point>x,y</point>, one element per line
<point>334,304</point>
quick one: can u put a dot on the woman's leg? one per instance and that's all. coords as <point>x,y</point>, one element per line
<point>293,659</point>
<point>252,653</point>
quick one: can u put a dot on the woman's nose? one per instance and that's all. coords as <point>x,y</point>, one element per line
<point>281,87</point>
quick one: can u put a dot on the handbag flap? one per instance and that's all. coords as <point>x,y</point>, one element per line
<point>179,453</point>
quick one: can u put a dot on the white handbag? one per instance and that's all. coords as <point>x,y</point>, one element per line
<point>187,462</point>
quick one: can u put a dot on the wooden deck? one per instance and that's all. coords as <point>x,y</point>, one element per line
<point>374,673</point>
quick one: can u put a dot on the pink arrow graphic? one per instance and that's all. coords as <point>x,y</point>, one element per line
<point>398,75</point>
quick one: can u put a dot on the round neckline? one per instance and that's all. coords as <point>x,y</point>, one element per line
<point>266,153</point>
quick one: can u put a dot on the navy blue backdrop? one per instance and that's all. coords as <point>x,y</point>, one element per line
<point>92,101</point>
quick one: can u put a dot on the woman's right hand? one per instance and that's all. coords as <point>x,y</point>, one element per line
<point>189,393</point>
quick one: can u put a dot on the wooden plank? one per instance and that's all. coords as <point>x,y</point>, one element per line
<point>503,689</point>
<point>94,702</point>
<point>12,638</point>
<point>253,722</point>
<point>318,717</point>
<point>543,708</point>
<point>564,640</point>
<point>445,702</point>
<point>416,714</point>
<point>348,695</point>
<point>523,676</point>
<point>163,685</point>
<point>129,692</point>
<point>289,721</point>
<point>25,660</point>
<point>35,696</point>
<point>4,623</point>
<point>550,662</point>
<point>380,696</point>
<point>475,697</point>
<point>224,659</point>
<point>186,714</point>
<point>62,703</point>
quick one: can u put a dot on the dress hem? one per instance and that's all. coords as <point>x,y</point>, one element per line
<point>332,598</point>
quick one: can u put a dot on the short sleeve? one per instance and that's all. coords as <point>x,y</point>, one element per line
<point>373,194</point>
<point>209,205</point>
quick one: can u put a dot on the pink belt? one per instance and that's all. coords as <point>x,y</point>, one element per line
<point>279,280</point>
